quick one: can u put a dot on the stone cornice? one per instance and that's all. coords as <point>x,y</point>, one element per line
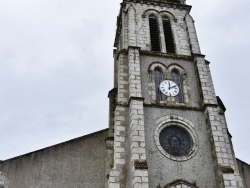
<point>162,3</point>
<point>135,99</point>
<point>159,54</point>
<point>206,105</point>
<point>177,107</point>
<point>198,55</point>
<point>174,56</point>
<point>169,106</point>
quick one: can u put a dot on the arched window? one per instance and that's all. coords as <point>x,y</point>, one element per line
<point>181,183</point>
<point>169,40</point>
<point>175,76</point>
<point>154,33</point>
<point>158,76</point>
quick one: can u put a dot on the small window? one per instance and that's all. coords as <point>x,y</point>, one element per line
<point>169,40</point>
<point>175,76</point>
<point>158,76</point>
<point>154,33</point>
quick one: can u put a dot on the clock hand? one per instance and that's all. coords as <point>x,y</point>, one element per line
<point>172,87</point>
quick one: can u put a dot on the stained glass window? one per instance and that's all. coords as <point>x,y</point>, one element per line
<point>176,140</point>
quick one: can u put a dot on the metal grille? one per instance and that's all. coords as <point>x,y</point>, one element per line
<point>154,33</point>
<point>169,41</point>
<point>158,76</point>
<point>175,76</point>
<point>176,140</point>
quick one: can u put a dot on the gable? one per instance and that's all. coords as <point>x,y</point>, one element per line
<point>76,163</point>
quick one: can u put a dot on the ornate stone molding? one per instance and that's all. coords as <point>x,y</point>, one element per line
<point>165,121</point>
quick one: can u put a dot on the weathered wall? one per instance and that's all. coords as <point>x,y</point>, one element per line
<point>163,170</point>
<point>180,25</point>
<point>190,86</point>
<point>197,111</point>
<point>244,170</point>
<point>78,163</point>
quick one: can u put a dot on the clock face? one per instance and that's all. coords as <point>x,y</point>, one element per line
<point>169,88</point>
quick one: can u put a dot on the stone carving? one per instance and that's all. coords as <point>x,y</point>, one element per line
<point>226,169</point>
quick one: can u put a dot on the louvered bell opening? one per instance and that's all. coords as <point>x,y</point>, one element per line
<point>169,40</point>
<point>154,34</point>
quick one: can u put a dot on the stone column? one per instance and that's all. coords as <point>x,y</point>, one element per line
<point>224,165</point>
<point>138,164</point>
<point>193,39</point>
<point>132,40</point>
<point>117,175</point>
<point>222,152</point>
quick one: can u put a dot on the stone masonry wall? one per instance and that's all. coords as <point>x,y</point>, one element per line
<point>117,175</point>
<point>224,164</point>
<point>122,79</point>
<point>136,123</point>
<point>135,27</point>
<point>135,37</point>
<point>193,39</point>
<point>222,151</point>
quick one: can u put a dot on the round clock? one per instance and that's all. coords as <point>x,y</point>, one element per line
<point>169,88</point>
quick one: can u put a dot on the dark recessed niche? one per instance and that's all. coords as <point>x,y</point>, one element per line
<point>173,1</point>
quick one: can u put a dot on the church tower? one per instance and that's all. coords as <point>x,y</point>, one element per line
<point>167,128</point>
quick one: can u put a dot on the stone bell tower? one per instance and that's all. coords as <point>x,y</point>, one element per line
<point>168,126</point>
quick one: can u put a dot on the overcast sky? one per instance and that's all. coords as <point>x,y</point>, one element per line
<point>56,68</point>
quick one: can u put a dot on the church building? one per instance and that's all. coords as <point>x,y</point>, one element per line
<point>167,127</point>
